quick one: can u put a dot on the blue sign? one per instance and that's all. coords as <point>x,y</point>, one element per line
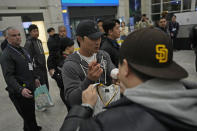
<point>69,3</point>
<point>66,20</point>
<point>1,33</point>
<point>90,2</point>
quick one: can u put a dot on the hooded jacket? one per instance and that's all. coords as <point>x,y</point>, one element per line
<point>74,73</point>
<point>156,105</point>
<point>169,97</point>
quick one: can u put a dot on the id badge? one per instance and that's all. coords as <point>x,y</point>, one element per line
<point>174,29</point>
<point>30,66</point>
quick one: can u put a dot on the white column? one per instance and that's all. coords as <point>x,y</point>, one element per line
<point>123,10</point>
<point>146,7</point>
<point>193,5</point>
<point>181,5</point>
<point>54,13</point>
<point>161,7</point>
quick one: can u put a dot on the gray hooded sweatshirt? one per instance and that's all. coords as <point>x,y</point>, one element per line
<point>169,97</point>
<point>74,73</point>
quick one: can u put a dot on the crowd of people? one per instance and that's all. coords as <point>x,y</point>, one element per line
<point>151,96</point>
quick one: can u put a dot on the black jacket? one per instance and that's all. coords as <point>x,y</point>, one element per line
<point>53,43</point>
<point>174,28</point>
<point>112,48</point>
<point>35,49</point>
<point>55,52</point>
<point>4,44</point>
<point>15,67</point>
<point>193,37</point>
<point>122,115</point>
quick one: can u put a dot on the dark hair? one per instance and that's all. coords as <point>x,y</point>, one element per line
<point>174,16</point>
<point>123,22</point>
<point>65,42</point>
<point>144,15</point>
<point>141,75</point>
<point>162,18</point>
<point>32,27</point>
<point>110,24</point>
<point>99,20</point>
<point>50,29</point>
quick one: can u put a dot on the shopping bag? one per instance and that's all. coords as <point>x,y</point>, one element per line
<point>42,97</point>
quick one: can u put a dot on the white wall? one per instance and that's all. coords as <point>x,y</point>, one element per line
<point>52,14</point>
<point>15,22</point>
<point>187,18</point>
<point>23,3</point>
<point>146,8</point>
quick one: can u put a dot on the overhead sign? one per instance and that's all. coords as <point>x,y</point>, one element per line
<point>90,2</point>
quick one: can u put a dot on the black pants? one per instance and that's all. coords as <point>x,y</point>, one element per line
<point>58,78</point>
<point>26,108</point>
<point>42,73</point>
<point>196,60</point>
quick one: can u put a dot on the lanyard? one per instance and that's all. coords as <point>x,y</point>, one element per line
<point>25,54</point>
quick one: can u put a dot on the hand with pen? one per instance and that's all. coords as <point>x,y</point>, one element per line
<point>94,71</point>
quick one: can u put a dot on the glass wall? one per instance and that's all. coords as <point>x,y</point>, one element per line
<point>196,5</point>
<point>135,9</point>
<point>187,5</point>
<point>156,8</point>
<point>172,6</point>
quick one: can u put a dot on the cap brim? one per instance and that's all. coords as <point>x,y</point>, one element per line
<point>95,35</point>
<point>172,72</point>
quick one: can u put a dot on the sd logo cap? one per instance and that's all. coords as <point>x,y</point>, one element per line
<point>150,51</point>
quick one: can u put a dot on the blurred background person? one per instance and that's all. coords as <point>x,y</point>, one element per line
<point>51,31</point>
<point>54,46</point>
<point>143,23</point>
<point>110,45</point>
<point>193,39</point>
<point>162,25</point>
<point>124,30</point>
<point>173,27</point>
<point>100,25</point>
<point>57,45</point>
<point>5,42</point>
<point>174,30</point>
<point>35,49</point>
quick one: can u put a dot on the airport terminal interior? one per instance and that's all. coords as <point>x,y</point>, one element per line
<point>47,14</point>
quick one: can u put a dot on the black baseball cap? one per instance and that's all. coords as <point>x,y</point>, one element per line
<point>150,51</point>
<point>88,28</point>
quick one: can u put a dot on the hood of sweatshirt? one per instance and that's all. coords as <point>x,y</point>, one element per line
<point>173,98</point>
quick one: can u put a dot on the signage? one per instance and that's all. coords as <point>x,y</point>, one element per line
<point>90,2</point>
